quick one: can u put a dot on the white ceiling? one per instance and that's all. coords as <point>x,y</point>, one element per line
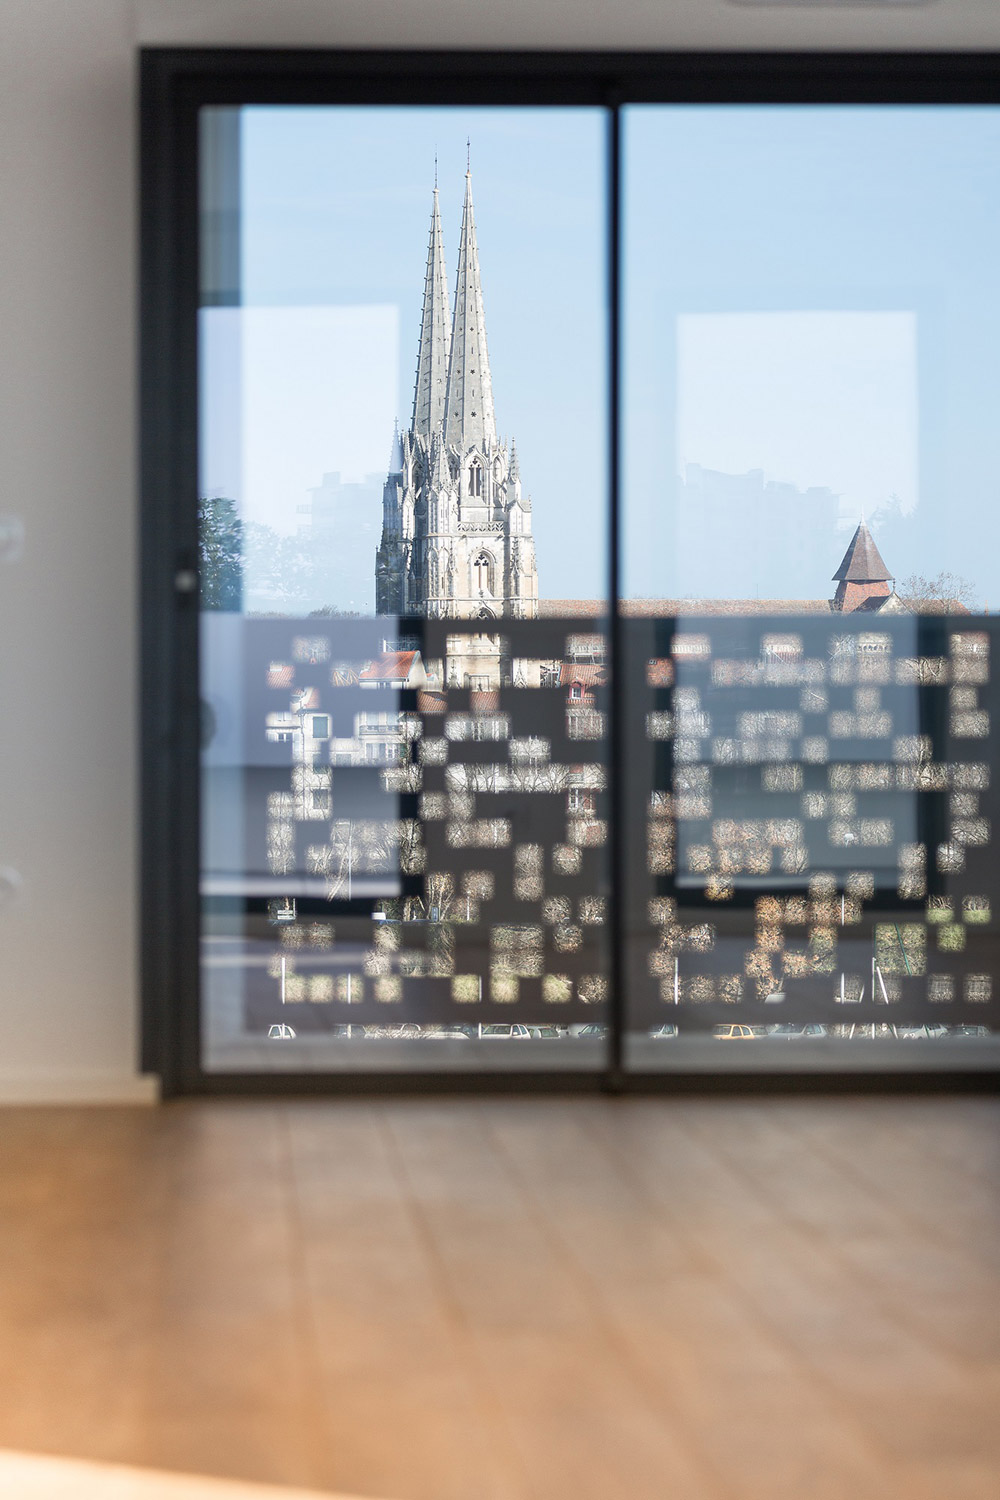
<point>566,23</point>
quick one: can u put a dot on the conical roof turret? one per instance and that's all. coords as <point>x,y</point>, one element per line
<point>862,561</point>
<point>469,418</point>
<point>435,336</point>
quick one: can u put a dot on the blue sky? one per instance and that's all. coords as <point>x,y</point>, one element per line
<point>336,210</point>
<point>809,291</point>
<point>779,214</point>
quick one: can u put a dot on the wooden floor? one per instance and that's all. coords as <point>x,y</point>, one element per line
<point>511,1300</point>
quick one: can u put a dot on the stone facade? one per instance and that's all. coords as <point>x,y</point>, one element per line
<point>456,533</point>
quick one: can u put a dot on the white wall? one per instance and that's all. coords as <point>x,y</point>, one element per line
<point>68,971</point>
<point>67,609</point>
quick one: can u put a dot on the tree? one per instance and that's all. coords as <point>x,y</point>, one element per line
<point>220,548</point>
<point>279,569</point>
<point>937,596</point>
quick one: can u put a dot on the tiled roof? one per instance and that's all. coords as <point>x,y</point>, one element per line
<point>432,702</point>
<point>587,674</point>
<point>665,608</point>
<point>391,666</point>
<point>862,560</point>
<point>685,608</point>
<point>558,609</point>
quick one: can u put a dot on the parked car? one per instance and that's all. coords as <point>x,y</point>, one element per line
<point>497,1032</point>
<point>737,1033</point>
<point>659,1033</point>
<point>970,1031</point>
<point>547,1033</point>
<point>932,1030</point>
<point>591,1032</point>
<point>279,1032</point>
<point>789,1033</point>
<point>447,1033</point>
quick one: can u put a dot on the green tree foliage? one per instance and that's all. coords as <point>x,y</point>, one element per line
<point>246,565</point>
<point>220,546</point>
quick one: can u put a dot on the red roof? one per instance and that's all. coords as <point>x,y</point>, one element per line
<point>391,666</point>
<point>587,674</point>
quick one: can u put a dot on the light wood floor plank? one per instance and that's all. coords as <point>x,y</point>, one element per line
<point>738,1391</point>
<point>230,1389</point>
<point>658,1299</point>
<point>573,1406</point>
<point>909,1395</point>
<point>80,1197</point>
<point>404,1411</point>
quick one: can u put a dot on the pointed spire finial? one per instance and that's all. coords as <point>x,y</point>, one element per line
<point>862,561</point>
<point>468,417</point>
<point>396,456</point>
<point>435,335</point>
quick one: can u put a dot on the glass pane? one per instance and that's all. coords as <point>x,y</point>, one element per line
<point>403,588</point>
<point>810,380</point>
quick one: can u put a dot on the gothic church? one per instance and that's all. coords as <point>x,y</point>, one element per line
<point>456,525</point>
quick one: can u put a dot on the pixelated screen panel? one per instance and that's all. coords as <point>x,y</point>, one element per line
<point>422,840</point>
<point>818,825</point>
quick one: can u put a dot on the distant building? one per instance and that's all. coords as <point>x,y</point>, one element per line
<point>340,523</point>
<point>393,669</point>
<point>741,534</point>
<point>864,586</point>
<point>863,580</point>
<point>456,524</point>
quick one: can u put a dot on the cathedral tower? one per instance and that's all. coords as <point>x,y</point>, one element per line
<point>456,525</point>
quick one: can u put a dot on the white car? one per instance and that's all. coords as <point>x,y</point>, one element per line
<point>279,1032</point>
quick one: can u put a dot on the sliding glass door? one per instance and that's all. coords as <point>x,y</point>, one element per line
<point>403,560</point>
<point>810,389</point>
<point>568,566</point>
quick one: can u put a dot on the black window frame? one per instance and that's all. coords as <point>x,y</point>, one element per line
<point>174,84</point>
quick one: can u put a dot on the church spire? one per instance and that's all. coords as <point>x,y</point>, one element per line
<point>469,419</point>
<point>862,561</point>
<point>862,579</point>
<point>435,337</point>
<point>396,459</point>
